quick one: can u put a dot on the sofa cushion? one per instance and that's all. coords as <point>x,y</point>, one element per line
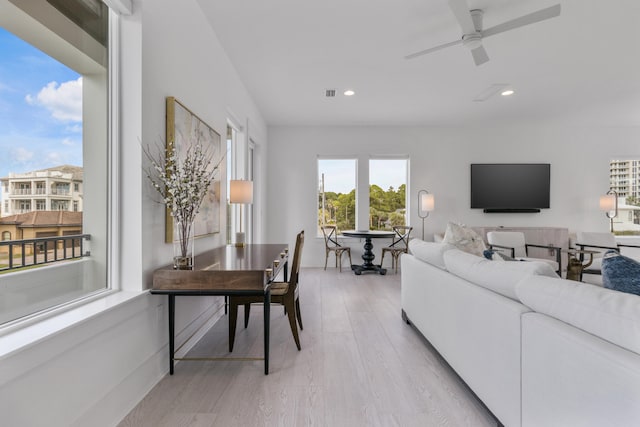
<point>620,273</point>
<point>429,252</point>
<point>500,277</point>
<point>611,315</point>
<point>464,238</point>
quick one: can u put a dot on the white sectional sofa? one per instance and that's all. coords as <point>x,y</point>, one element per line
<point>536,349</point>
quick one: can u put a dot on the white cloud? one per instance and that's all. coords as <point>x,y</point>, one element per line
<point>54,158</point>
<point>76,128</point>
<point>21,155</point>
<point>64,101</point>
<point>68,141</point>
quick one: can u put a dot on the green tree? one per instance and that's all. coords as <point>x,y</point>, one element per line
<point>345,210</point>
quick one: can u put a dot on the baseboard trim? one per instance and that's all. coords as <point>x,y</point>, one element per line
<point>121,399</point>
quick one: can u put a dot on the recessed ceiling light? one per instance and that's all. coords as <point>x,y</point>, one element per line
<point>492,90</point>
<point>507,92</point>
<point>349,92</point>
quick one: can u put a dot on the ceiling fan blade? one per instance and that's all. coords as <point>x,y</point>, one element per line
<point>433,49</point>
<point>479,55</point>
<point>460,10</point>
<point>531,18</point>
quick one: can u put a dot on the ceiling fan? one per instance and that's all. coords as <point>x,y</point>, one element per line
<point>472,33</point>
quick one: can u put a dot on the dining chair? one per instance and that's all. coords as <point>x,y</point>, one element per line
<point>284,293</point>
<point>399,245</point>
<point>331,245</point>
<point>514,242</point>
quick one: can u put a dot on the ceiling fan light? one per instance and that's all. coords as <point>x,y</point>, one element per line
<point>472,41</point>
<point>349,92</point>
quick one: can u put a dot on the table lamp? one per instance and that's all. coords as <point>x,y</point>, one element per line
<point>240,192</point>
<point>426,204</point>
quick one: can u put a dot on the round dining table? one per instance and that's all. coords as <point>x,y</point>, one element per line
<point>368,255</point>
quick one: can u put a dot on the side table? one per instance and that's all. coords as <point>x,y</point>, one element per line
<point>575,267</point>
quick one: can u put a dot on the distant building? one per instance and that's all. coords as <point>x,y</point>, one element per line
<point>628,218</point>
<point>39,224</point>
<point>624,177</point>
<point>53,189</point>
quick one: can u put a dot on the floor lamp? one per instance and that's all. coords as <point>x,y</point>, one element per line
<point>240,192</point>
<point>609,204</point>
<point>426,204</point>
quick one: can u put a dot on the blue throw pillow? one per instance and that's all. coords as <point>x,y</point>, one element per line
<point>620,273</point>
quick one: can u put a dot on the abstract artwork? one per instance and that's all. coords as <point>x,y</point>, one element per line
<point>183,126</point>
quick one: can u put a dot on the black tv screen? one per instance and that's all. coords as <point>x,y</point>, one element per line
<point>503,187</point>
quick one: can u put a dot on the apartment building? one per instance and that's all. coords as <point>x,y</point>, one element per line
<point>624,177</point>
<point>57,188</point>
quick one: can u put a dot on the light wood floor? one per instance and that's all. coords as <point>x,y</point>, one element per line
<point>360,365</point>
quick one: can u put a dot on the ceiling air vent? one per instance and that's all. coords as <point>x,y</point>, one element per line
<point>330,93</point>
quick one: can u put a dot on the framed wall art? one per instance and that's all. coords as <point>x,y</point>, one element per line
<point>183,126</point>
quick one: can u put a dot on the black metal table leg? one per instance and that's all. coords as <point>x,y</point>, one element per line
<point>368,256</point>
<point>267,320</point>
<point>172,314</point>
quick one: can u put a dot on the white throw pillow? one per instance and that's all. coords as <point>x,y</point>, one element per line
<point>613,316</point>
<point>464,238</point>
<point>429,252</point>
<point>500,277</point>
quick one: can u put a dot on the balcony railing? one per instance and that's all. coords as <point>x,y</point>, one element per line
<point>42,250</point>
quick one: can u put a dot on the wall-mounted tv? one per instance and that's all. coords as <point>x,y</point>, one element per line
<point>510,187</point>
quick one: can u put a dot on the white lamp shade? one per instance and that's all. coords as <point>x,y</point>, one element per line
<point>240,191</point>
<point>427,202</point>
<point>608,203</point>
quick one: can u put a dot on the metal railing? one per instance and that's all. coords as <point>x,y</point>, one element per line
<point>16,254</point>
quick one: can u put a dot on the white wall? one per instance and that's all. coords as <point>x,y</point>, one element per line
<point>440,159</point>
<point>95,371</point>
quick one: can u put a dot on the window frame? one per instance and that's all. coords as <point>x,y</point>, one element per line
<point>363,177</point>
<point>109,220</point>
<point>623,179</point>
<point>355,161</point>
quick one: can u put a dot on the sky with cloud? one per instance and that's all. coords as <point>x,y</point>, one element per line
<point>40,109</point>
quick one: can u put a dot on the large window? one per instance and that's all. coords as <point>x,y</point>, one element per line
<point>55,61</point>
<point>624,179</point>
<point>337,193</point>
<point>339,180</point>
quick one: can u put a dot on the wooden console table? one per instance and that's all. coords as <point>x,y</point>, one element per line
<point>227,270</point>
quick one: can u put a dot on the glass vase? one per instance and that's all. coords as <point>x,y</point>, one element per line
<point>183,245</point>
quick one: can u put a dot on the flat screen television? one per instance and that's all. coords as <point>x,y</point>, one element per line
<point>510,187</point>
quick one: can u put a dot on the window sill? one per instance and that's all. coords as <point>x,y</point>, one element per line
<point>21,336</point>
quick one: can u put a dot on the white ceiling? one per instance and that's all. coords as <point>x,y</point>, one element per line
<point>581,68</point>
